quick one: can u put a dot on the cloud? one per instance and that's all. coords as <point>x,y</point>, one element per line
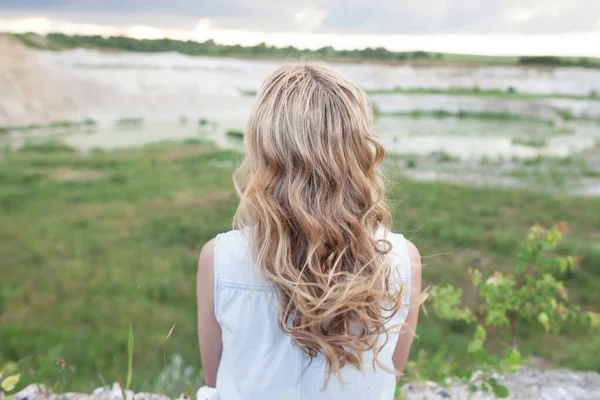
<point>329,16</point>
<point>310,18</point>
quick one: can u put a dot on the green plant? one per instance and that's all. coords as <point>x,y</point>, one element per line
<point>411,163</point>
<point>531,293</point>
<point>531,161</point>
<point>235,134</point>
<point>9,378</point>
<point>129,359</point>
<point>565,114</point>
<point>443,157</point>
<point>127,385</point>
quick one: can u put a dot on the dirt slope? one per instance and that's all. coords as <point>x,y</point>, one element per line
<point>29,91</point>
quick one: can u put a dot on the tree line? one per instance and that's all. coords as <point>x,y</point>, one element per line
<point>57,41</point>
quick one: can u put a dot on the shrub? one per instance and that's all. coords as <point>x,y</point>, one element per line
<point>531,293</point>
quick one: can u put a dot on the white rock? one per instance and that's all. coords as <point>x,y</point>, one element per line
<point>33,391</point>
<point>528,384</point>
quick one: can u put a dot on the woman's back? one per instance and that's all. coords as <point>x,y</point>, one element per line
<point>260,362</point>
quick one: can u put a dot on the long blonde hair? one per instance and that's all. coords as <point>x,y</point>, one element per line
<point>311,191</point>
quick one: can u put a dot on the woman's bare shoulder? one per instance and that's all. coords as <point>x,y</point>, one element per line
<point>415,256</point>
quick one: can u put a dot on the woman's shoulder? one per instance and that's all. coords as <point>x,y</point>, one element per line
<point>234,236</point>
<point>406,248</point>
<point>231,259</point>
<point>414,255</point>
<point>226,239</point>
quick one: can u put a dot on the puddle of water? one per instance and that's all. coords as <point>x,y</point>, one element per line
<point>465,138</point>
<point>467,143</point>
<point>111,136</point>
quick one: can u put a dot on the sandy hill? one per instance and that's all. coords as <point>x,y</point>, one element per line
<point>29,91</point>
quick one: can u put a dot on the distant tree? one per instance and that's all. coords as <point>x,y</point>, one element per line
<point>541,60</point>
<point>420,55</point>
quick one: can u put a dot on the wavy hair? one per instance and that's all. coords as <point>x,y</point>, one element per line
<point>312,193</point>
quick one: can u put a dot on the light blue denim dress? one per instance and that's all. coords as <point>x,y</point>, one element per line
<point>260,362</point>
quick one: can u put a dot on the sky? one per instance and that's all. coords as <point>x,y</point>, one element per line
<point>560,27</point>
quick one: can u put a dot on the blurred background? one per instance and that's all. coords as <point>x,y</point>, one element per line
<point>121,123</point>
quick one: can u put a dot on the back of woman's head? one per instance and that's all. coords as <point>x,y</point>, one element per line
<point>311,192</point>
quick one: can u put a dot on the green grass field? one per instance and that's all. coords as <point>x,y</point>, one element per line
<point>92,244</point>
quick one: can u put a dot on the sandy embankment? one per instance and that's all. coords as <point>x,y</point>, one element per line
<point>29,91</point>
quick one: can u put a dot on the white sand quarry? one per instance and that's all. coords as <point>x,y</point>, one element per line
<point>29,92</point>
<point>165,88</point>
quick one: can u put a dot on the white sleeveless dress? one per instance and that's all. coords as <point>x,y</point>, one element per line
<point>259,361</point>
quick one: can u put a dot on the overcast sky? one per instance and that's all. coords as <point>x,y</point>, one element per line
<point>321,18</point>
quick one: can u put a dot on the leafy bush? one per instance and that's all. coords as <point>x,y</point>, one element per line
<point>530,294</point>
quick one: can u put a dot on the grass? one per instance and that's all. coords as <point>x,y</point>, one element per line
<point>129,122</point>
<point>509,94</point>
<point>483,115</point>
<point>444,157</point>
<point>51,125</point>
<point>45,147</point>
<point>552,171</point>
<point>530,142</point>
<point>82,259</point>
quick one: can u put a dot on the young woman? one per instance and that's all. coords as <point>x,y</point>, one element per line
<point>309,297</point>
